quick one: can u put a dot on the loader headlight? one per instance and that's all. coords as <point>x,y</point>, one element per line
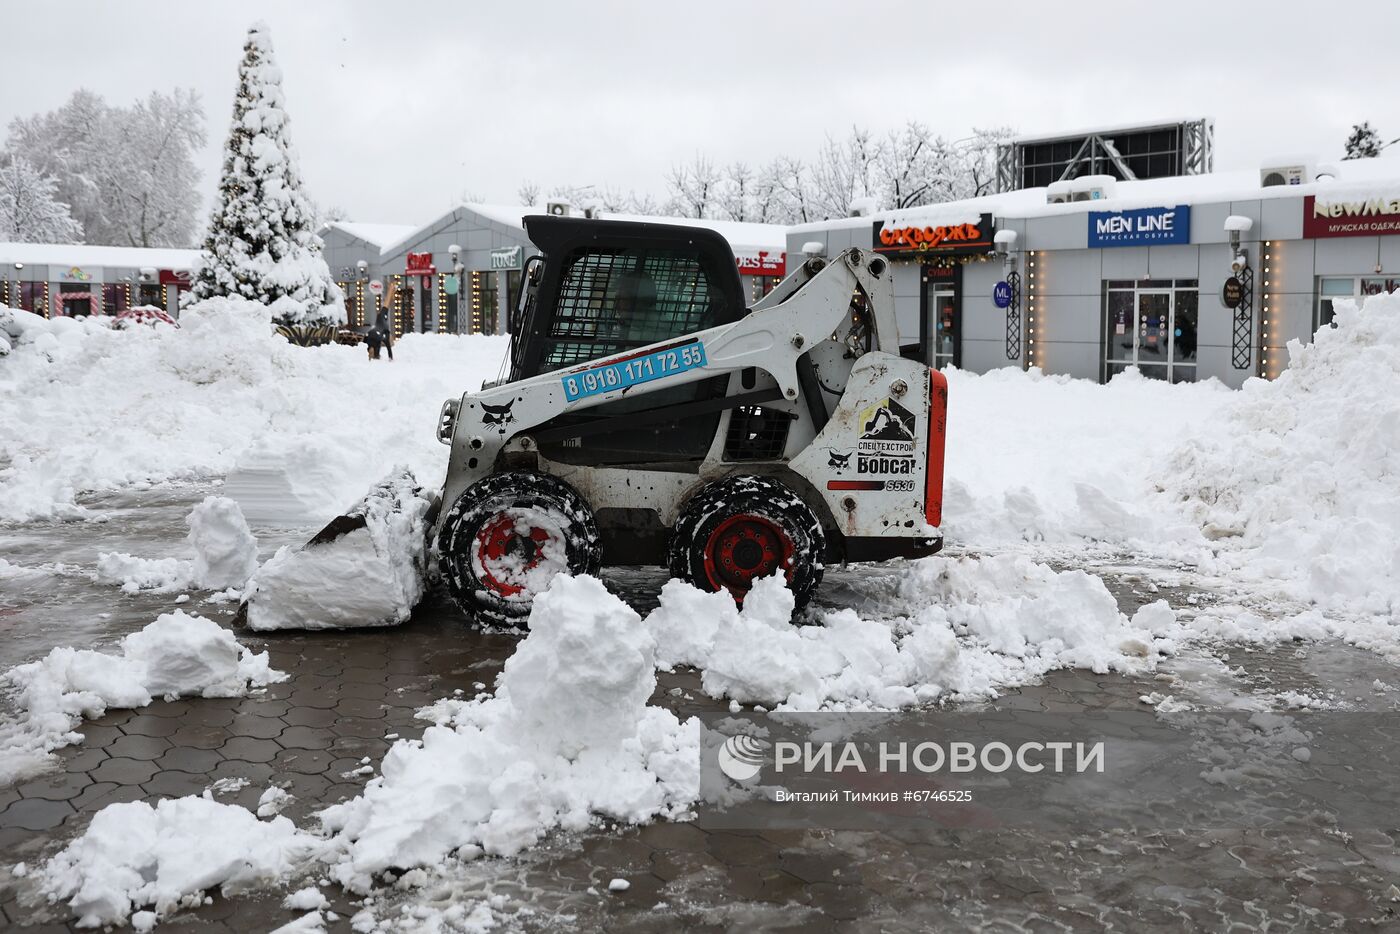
<point>447,419</point>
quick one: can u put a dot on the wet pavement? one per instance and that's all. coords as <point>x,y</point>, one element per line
<point>349,693</point>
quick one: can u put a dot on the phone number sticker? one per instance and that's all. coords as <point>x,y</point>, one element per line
<point>656,365</point>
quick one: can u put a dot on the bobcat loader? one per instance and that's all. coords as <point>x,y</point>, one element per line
<point>652,417</point>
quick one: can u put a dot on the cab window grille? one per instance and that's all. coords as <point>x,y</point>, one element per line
<point>756,434</point>
<point>615,300</point>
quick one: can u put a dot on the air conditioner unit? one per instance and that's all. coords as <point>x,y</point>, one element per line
<point>558,208</point>
<point>1057,193</point>
<point>1274,176</point>
<point>1092,188</point>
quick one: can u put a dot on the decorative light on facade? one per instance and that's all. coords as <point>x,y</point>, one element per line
<point>441,303</point>
<point>1035,270</point>
<point>1267,353</point>
<point>476,302</point>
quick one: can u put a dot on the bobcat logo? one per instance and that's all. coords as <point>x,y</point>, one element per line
<point>838,460</point>
<point>497,415</point>
<point>888,421</point>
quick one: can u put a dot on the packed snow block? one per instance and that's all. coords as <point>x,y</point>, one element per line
<point>366,568</point>
<point>225,551</point>
<point>166,856</point>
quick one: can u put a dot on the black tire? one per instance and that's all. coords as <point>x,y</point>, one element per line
<point>729,533</point>
<point>481,534</point>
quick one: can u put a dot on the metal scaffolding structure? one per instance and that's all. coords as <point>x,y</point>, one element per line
<point>1106,152</point>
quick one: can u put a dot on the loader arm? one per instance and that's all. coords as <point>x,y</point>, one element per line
<point>808,307</point>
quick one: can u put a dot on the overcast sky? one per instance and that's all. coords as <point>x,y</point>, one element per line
<point>399,107</point>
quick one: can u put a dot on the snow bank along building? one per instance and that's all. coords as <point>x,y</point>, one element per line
<point>1185,277</point>
<point>63,279</point>
<point>456,273</point>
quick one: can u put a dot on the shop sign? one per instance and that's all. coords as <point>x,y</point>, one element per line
<point>450,285</point>
<point>179,277</point>
<point>1001,294</point>
<point>762,263</point>
<point>1232,292</point>
<point>508,258</point>
<point>1140,227</point>
<point>892,239</point>
<point>78,275</point>
<point>420,264</point>
<point>376,286</point>
<point>1356,217</point>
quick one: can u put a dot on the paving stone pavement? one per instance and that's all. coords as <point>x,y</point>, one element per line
<point>350,691</point>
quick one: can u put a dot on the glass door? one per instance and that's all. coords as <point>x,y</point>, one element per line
<point>942,304</point>
<point>1153,329</point>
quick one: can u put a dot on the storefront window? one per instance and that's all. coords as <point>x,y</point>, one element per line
<point>75,301</point>
<point>1349,287</point>
<point>114,298</point>
<point>1151,324</point>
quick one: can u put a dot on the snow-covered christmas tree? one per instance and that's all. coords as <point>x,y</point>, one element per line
<point>262,243</point>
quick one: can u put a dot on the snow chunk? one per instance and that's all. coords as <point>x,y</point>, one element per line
<point>133,574</point>
<point>307,899</point>
<point>568,736</point>
<point>226,553</point>
<point>272,801</point>
<point>367,571</point>
<point>133,855</point>
<point>177,655</point>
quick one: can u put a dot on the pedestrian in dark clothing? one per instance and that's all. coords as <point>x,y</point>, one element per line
<point>373,341</point>
<point>384,327</point>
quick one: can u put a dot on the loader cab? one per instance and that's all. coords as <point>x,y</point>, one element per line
<point>606,287</point>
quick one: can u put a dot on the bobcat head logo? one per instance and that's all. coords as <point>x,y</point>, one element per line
<point>497,415</point>
<point>838,460</point>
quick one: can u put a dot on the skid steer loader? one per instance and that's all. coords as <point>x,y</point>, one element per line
<point>651,417</point>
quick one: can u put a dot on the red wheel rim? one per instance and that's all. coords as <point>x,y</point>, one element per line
<point>499,538</point>
<point>744,548</point>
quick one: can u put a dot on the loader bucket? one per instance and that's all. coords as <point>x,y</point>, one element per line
<point>367,567</point>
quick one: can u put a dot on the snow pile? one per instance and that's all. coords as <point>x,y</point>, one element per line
<point>84,406</point>
<point>972,625</point>
<point>1300,482</point>
<point>226,553</point>
<point>134,855</point>
<point>568,736</point>
<point>365,572</point>
<point>177,655</point>
<point>1059,460</point>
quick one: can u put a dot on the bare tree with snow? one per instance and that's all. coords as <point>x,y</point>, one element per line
<point>694,188</point>
<point>128,173</point>
<point>261,243</point>
<point>845,171</point>
<point>29,209</point>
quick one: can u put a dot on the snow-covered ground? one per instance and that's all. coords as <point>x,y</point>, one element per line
<point>1284,496</point>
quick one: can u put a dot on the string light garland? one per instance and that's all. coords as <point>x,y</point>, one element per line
<point>441,303</point>
<point>476,302</point>
<point>1035,356</point>
<point>1268,353</point>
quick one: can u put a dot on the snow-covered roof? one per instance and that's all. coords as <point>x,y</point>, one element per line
<point>742,236</point>
<point>380,235</point>
<point>74,254</point>
<point>1355,178</point>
